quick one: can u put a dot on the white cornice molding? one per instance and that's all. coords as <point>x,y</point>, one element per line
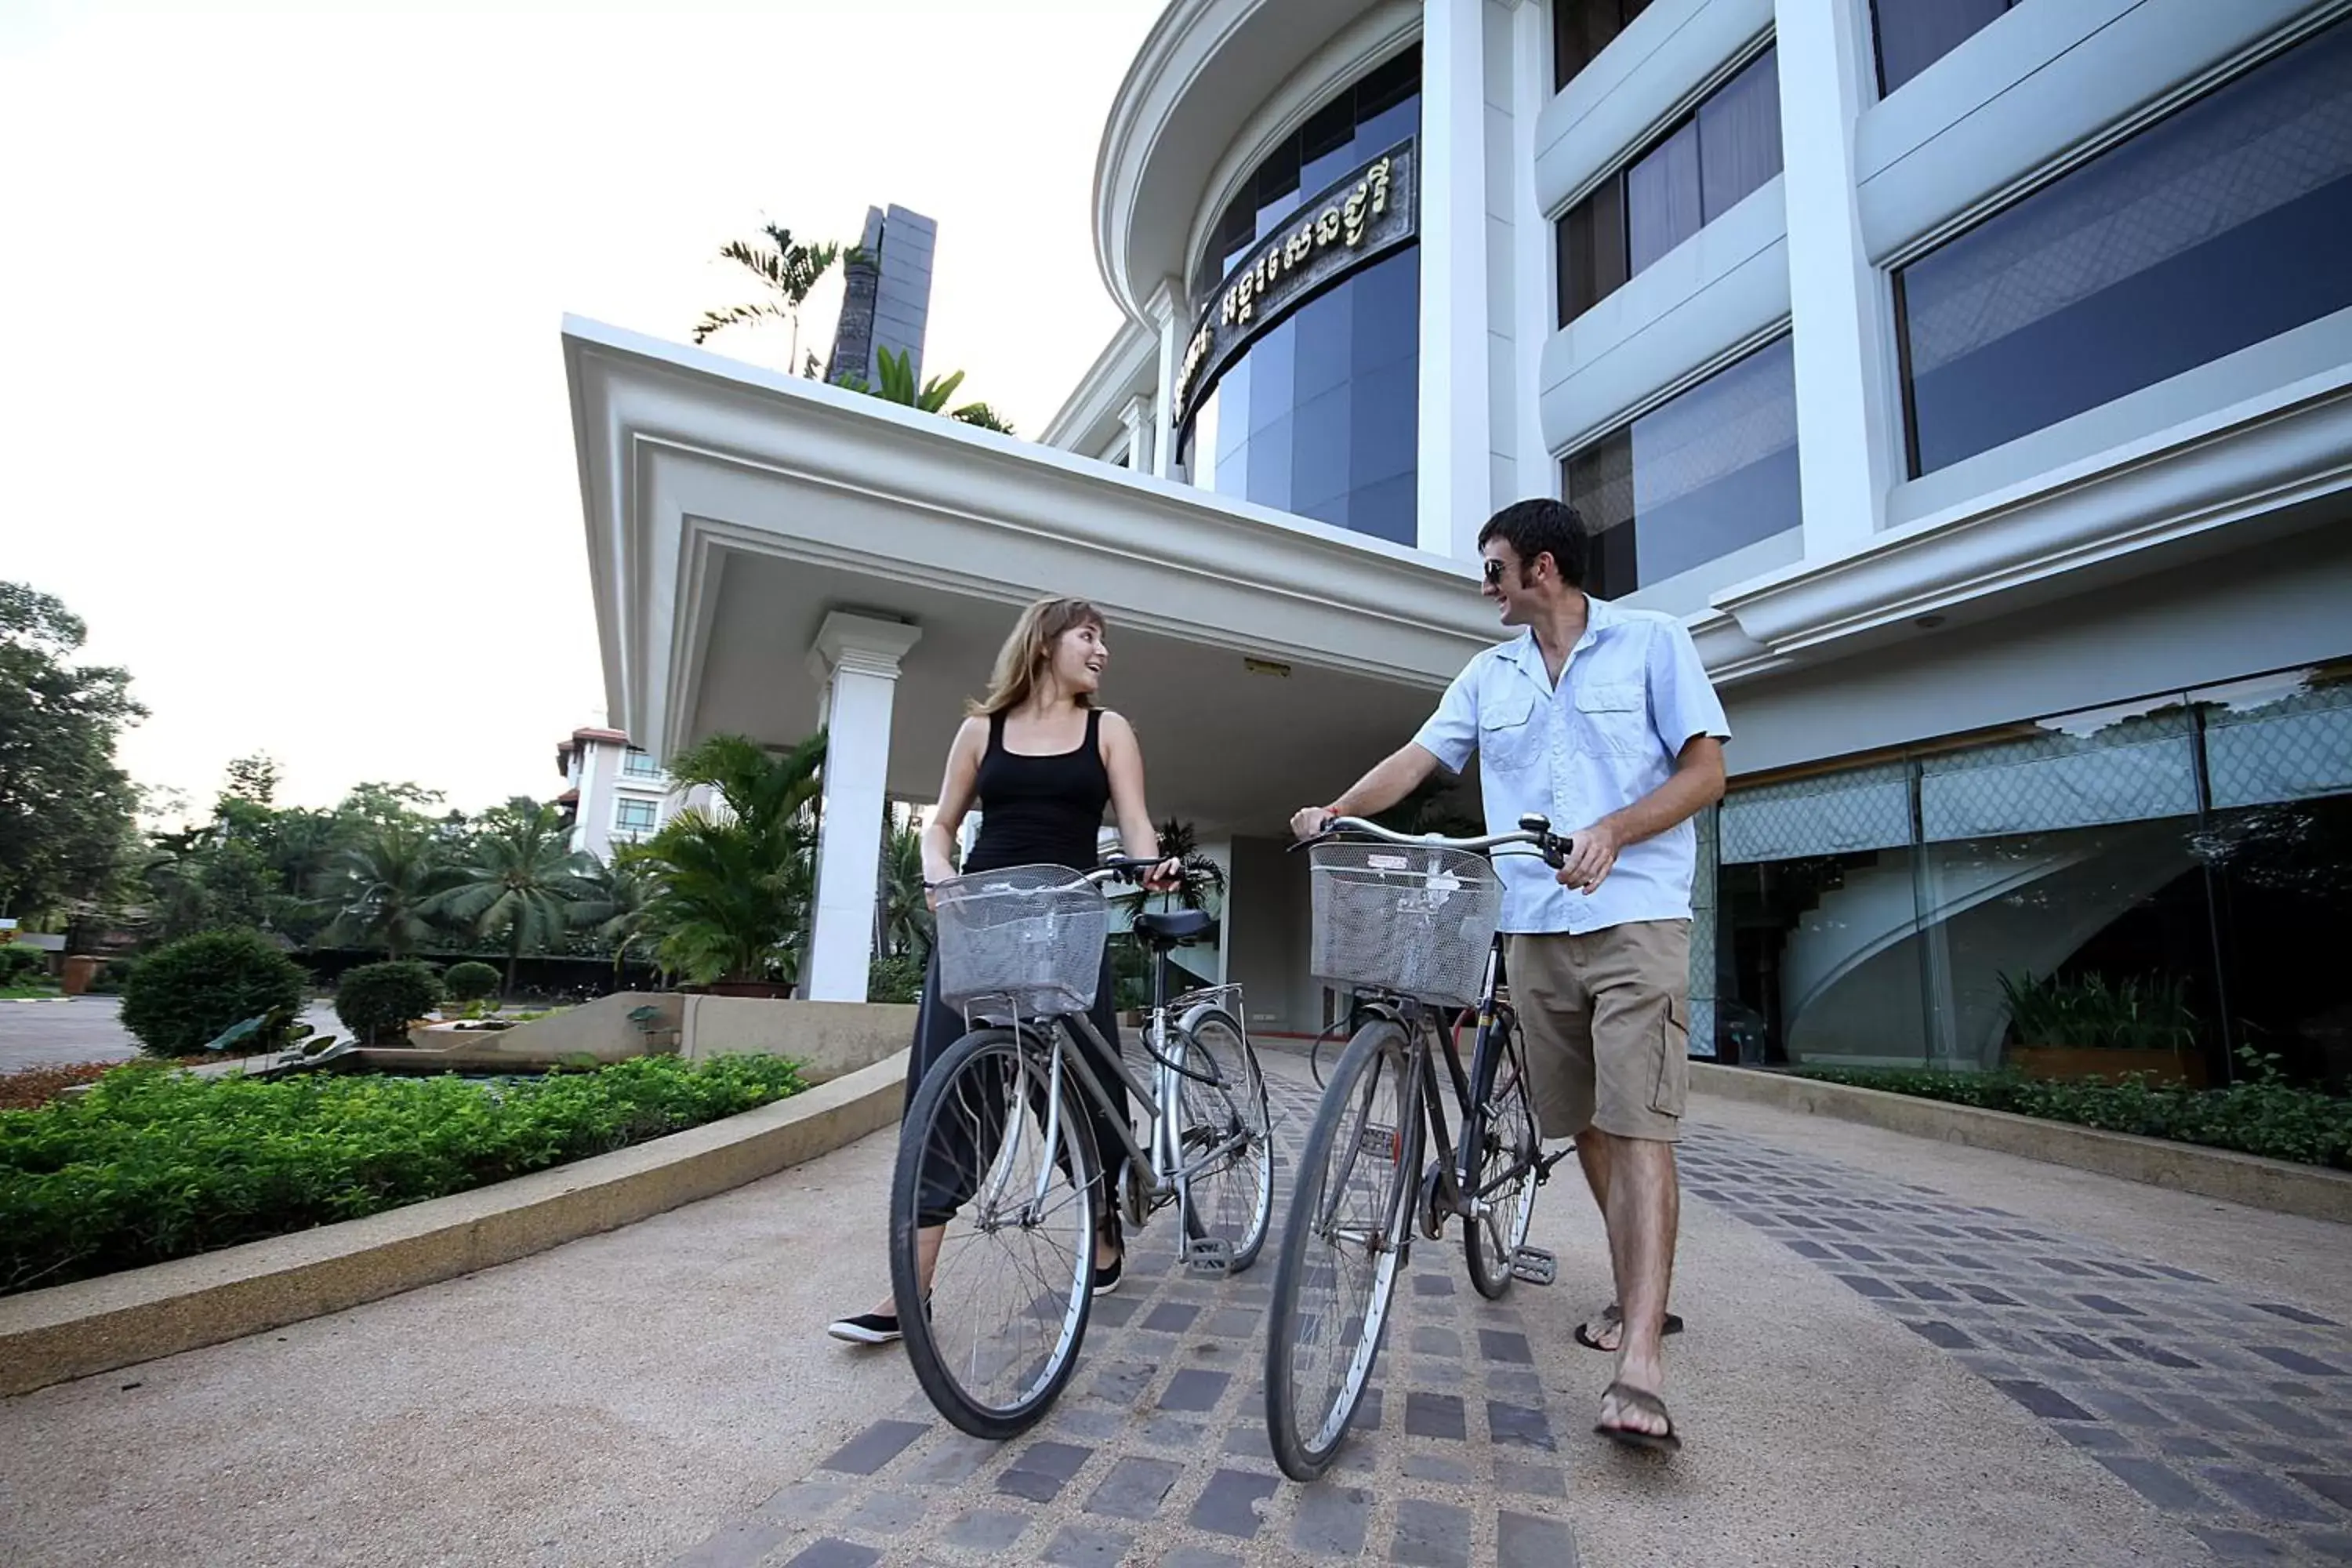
<point>1179,67</point>
<point>2118,514</point>
<point>685,456</point>
<point>1124,369</point>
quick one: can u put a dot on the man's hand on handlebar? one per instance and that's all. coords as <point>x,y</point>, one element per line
<point>1309,821</point>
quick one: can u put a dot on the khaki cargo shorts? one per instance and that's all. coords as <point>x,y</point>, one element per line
<point>1607,1020</point>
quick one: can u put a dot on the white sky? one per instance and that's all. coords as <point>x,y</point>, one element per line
<point>282,411</point>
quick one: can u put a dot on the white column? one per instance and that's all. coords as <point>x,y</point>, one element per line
<point>1535,303</point>
<point>1456,467</point>
<point>1140,447</point>
<point>858,658</point>
<point>1844,365</point>
<point>1167,311</point>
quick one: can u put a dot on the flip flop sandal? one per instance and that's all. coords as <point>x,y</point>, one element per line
<point>1666,1442</point>
<point>1584,1335</point>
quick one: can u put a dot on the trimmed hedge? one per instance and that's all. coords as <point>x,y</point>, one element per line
<point>469,980</point>
<point>153,1165</point>
<point>2260,1115</point>
<point>377,1000</point>
<point>181,997</point>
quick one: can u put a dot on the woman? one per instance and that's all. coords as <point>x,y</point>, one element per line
<point>1042,760</point>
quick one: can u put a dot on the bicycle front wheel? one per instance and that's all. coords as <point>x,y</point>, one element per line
<point>1508,1145</point>
<point>996,1183</point>
<point>1223,1139</point>
<point>1345,1237</point>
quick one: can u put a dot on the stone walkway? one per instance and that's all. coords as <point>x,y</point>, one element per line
<point>1900,1353</point>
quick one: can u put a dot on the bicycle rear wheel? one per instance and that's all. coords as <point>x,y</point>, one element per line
<point>1347,1234</point>
<point>1221,1119</point>
<point>998,1334</point>
<point>1508,1145</point>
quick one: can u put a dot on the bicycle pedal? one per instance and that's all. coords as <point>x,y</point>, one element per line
<point>1209,1255</point>
<point>1533,1265</point>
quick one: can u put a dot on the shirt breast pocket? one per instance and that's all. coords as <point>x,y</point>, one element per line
<point>1510,733</point>
<point>1616,718</point>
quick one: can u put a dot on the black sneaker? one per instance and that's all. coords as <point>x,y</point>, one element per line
<point>1107,1275</point>
<point>868,1329</point>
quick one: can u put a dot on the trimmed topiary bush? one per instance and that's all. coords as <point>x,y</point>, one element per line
<point>469,980</point>
<point>21,965</point>
<point>183,996</point>
<point>377,1002</point>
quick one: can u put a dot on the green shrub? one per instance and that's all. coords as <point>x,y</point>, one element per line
<point>2261,1114</point>
<point>469,980</point>
<point>894,979</point>
<point>113,976</point>
<point>151,1165</point>
<point>184,995</point>
<point>377,1001</point>
<point>21,965</point>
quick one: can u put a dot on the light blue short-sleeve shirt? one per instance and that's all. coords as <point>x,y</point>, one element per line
<point>1631,695</point>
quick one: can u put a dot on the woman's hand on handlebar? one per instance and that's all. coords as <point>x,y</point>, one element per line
<point>1167,877</point>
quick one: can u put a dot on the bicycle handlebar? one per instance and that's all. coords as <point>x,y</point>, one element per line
<point>1555,848</point>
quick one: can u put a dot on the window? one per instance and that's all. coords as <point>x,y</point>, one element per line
<point>637,765</point>
<point>1701,476</point>
<point>634,817</point>
<point>1580,30</point>
<point>2168,874</point>
<point>1915,33</point>
<point>1692,175</point>
<point>1319,415</point>
<point>2217,227</point>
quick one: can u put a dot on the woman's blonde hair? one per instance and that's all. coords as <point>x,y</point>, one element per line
<point>1026,653</point>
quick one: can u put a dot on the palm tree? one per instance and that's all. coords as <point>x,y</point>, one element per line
<point>385,883</point>
<point>519,883</point>
<point>789,270</point>
<point>902,912</point>
<point>898,385</point>
<point>733,887</point>
<point>616,904</point>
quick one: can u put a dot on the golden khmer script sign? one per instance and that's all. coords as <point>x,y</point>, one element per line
<point>1358,218</point>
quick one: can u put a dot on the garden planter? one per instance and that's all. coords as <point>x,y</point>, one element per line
<point>79,971</point>
<point>2089,1061</point>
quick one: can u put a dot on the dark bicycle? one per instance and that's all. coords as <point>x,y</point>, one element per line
<point>1409,922</point>
<point>997,1167</point>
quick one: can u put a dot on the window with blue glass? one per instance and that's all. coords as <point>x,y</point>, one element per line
<point>1709,472</point>
<point>1319,416</point>
<point>2222,224</point>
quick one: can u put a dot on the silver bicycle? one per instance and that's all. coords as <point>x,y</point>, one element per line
<point>1000,1191</point>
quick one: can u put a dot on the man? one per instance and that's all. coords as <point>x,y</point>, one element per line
<point>1600,718</point>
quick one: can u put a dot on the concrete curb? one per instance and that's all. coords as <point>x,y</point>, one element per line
<point>2279,1185</point>
<point>95,1325</point>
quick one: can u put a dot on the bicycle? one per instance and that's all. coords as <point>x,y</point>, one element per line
<point>1410,921</point>
<point>996,1153</point>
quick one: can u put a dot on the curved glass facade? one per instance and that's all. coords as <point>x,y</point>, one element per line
<point>1320,415</point>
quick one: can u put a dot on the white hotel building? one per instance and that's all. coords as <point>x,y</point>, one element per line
<point>1974,377</point>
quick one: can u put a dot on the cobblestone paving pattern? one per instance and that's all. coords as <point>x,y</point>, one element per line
<point>2232,1414</point>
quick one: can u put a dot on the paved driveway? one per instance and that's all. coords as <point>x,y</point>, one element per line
<point>89,1029</point>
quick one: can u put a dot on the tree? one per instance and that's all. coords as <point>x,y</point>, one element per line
<point>253,779</point>
<point>616,904</point>
<point>64,805</point>
<point>903,913</point>
<point>386,882</point>
<point>733,887</point>
<point>787,269</point>
<point>518,881</point>
<point>898,385</point>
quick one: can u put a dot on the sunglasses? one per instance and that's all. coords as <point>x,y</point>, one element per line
<point>1494,570</point>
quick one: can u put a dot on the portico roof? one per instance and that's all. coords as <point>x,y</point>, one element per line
<point>1264,658</point>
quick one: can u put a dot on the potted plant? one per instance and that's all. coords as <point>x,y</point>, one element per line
<point>2089,1026</point>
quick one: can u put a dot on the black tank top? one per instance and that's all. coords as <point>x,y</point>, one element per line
<point>1041,811</point>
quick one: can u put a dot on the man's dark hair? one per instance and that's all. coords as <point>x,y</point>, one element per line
<point>1541,527</point>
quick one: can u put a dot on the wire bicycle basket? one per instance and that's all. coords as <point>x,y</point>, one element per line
<point>1414,921</point>
<point>1025,941</point>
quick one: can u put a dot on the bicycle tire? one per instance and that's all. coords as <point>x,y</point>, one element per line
<point>1502,1119</point>
<point>1351,1121</point>
<point>958,1072</point>
<point>1231,1104</point>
